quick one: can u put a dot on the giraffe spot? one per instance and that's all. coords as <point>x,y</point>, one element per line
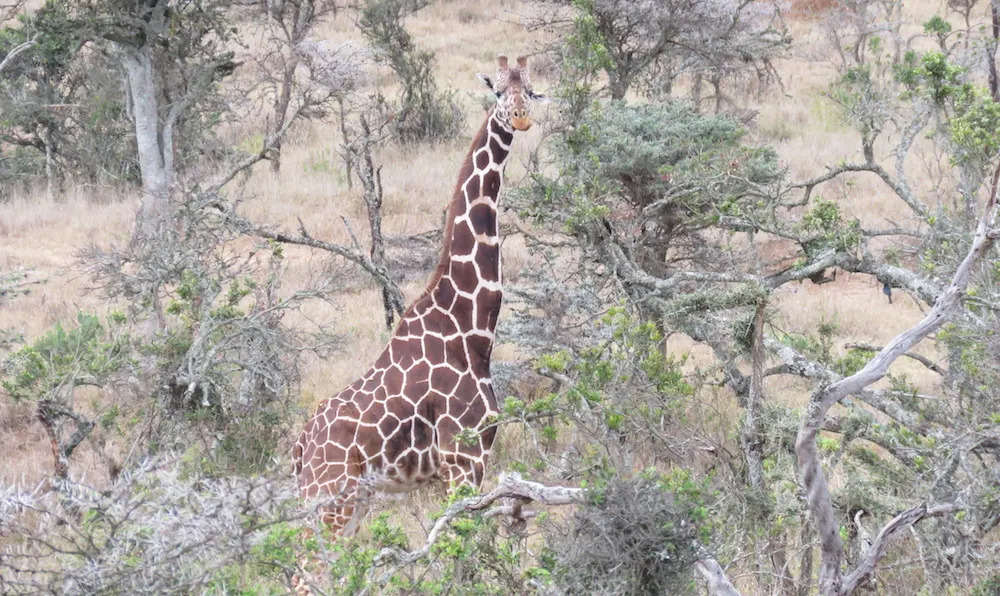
<point>403,352</point>
<point>444,293</point>
<point>499,131</point>
<point>434,348</point>
<point>368,441</point>
<point>364,401</point>
<point>426,464</point>
<point>491,183</point>
<point>472,187</point>
<point>499,154</point>
<point>467,388</point>
<point>444,379</point>
<point>473,414</point>
<point>464,276</point>
<point>480,349</point>
<point>333,453</point>
<point>372,383</point>
<point>416,327</point>
<point>420,307</point>
<point>394,381</point>
<point>470,448</point>
<point>447,429</point>
<point>348,410</point>
<point>487,309</point>
<point>384,360</point>
<point>420,371</point>
<point>422,434</point>
<point>399,442</point>
<point>462,239</point>
<point>428,407</point>
<point>408,463</point>
<point>483,218</point>
<point>455,353</point>
<point>488,259</point>
<point>415,349</point>
<point>482,159</point>
<point>462,311</point>
<point>442,324</point>
<point>487,436</point>
<point>340,433</point>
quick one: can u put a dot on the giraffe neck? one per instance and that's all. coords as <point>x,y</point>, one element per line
<point>470,260</point>
<point>467,284</point>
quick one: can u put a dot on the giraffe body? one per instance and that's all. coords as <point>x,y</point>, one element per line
<point>424,411</point>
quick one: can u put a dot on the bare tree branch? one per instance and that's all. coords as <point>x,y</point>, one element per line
<point>890,531</point>
<point>18,49</point>
<point>813,478</point>
<point>930,364</point>
<point>353,255</point>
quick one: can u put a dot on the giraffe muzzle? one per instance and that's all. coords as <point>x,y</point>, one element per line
<point>522,123</point>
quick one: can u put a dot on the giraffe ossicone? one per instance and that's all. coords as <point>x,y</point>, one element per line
<point>423,412</point>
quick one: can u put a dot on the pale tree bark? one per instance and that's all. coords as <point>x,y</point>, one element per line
<point>153,165</point>
<point>831,579</point>
<point>17,50</point>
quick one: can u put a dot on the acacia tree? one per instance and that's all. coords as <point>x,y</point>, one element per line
<point>648,46</point>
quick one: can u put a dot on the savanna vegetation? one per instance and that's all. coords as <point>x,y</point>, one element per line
<point>749,342</point>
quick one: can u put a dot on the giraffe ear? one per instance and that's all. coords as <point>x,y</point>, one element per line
<point>485,78</point>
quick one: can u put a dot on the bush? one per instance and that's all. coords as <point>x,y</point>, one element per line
<point>423,112</point>
<point>640,536</point>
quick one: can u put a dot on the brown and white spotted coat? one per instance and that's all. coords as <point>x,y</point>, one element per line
<point>422,412</point>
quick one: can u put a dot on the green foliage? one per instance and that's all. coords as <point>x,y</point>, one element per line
<point>988,587</point>
<point>424,113</point>
<point>854,360</point>
<point>974,127</point>
<point>84,354</point>
<point>692,166</point>
<point>826,222</point>
<point>631,361</point>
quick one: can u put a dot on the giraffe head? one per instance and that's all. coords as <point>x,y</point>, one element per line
<point>512,87</point>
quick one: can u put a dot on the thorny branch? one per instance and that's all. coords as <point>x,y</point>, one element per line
<point>353,255</point>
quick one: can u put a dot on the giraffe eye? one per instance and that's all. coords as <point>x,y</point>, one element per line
<point>498,94</point>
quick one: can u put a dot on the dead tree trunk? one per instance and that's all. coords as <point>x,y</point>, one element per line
<point>53,416</point>
<point>360,153</point>
<point>281,103</point>
<point>155,160</point>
